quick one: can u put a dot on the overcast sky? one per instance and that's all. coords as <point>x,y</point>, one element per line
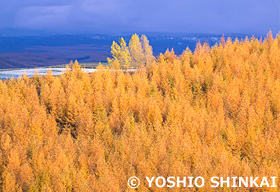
<point>112,16</point>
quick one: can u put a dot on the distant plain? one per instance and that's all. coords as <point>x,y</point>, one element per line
<point>42,51</point>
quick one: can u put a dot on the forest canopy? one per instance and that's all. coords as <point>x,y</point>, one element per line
<point>211,112</point>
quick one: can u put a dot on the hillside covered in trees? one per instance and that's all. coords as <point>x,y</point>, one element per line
<point>211,112</point>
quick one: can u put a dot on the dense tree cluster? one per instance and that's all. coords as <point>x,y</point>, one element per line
<point>135,55</point>
<point>213,112</point>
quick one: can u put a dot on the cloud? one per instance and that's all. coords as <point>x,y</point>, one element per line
<point>204,16</point>
<point>43,17</point>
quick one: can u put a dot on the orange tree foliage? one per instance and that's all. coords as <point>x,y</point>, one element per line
<point>214,112</point>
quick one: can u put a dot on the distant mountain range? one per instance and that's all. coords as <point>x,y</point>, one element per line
<point>38,51</point>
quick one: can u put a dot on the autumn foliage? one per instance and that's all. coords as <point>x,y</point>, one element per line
<point>211,112</point>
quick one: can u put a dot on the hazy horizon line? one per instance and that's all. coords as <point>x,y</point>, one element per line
<point>10,32</point>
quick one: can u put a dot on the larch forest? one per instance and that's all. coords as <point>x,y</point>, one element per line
<point>211,112</point>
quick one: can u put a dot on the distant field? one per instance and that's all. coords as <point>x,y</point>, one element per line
<point>50,56</point>
<point>42,51</point>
